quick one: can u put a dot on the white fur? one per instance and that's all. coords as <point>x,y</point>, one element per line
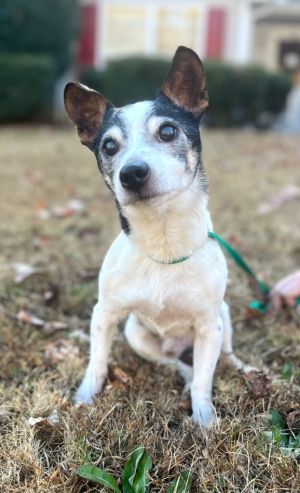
<point>163,302</point>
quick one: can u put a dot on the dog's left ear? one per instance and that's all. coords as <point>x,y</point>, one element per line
<point>185,84</point>
<point>86,109</point>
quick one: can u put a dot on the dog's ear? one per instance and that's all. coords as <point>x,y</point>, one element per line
<point>86,109</point>
<point>185,84</point>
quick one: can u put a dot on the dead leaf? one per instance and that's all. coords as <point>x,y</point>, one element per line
<point>22,271</point>
<point>70,208</point>
<point>293,421</point>
<point>205,453</point>
<point>28,317</point>
<point>251,313</point>
<point>185,405</point>
<point>35,177</point>
<point>258,384</point>
<point>49,421</point>
<point>59,350</point>
<point>287,194</point>
<point>115,385</point>
<point>121,375</point>
<point>51,294</point>
<point>89,274</point>
<point>80,335</point>
<point>235,240</point>
<point>87,233</point>
<point>53,326</point>
<point>39,242</point>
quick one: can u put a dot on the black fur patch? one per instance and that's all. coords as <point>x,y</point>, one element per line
<point>111,119</point>
<point>163,106</point>
<point>123,220</point>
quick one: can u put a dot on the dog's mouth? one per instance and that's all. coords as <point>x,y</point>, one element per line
<point>150,198</point>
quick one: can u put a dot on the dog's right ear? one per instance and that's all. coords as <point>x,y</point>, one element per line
<point>86,109</point>
<point>185,84</point>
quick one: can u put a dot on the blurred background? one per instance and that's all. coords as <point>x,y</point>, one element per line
<point>122,47</point>
<point>57,221</point>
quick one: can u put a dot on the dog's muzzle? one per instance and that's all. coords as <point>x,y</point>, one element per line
<point>133,176</point>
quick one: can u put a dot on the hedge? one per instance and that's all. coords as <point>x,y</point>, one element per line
<point>26,87</point>
<point>238,95</point>
<point>128,80</point>
<point>244,95</point>
<point>40,27</point>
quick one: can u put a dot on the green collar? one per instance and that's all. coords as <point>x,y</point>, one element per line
<point>260,305</point>
<point>173,261</point>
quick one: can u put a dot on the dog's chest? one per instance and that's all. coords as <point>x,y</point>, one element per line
<point>166,310</point>
<point>171,299</point>
<point>167,298</point>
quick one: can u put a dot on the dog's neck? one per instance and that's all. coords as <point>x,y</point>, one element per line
<point>169,230</point>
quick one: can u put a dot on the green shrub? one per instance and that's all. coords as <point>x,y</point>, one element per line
<point>45,27</point>
<point>241,95</point>
<point>26,87</point>
<point>128,80</point>
<point>237,95</point>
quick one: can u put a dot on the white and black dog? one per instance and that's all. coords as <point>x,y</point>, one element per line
<point>163,272</point>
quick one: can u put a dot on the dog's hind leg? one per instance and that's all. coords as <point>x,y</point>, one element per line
<point>227,350</point>
<point>149,347</point>
<point>142,341</point>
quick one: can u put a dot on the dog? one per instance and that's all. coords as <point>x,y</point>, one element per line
<point>163,273</point>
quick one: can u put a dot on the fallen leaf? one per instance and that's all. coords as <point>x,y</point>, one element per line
<point>53,326</point>
<point>287,194</point>
<point>258,383</point>
<point>22,271</point>
<point>39,242</point>
<point>251,313</point>
<point>49,421</point>
<point>115,385</point>
<point>89,274</point>
<point>87,233</point>
<point>293,421</point>
<point>205,453</point>
<point>51,294</point>
<point>71,208</point>
<point>80,335</point>
<point>235,240</point>
<point>121,375</point>
<point>35,177</point>
<point>28,317</point>
<point>59,350</point>
<point>185,405</point>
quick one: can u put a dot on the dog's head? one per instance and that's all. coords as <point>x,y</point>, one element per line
<point>149,149</point>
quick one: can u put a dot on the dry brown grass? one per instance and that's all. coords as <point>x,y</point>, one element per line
<point>44,166</point>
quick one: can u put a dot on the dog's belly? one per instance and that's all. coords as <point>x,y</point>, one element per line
<point>166,325</point>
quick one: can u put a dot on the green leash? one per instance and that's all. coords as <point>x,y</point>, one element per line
<point>258,305</point>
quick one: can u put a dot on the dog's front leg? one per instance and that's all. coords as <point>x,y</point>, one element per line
<point>207,348</point>
<point>103,325</point>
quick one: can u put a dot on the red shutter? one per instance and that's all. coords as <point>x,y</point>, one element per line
<point>87,38</point>
<point>215,33</point>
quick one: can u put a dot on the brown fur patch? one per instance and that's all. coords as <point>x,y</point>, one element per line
<point>185,84</point>
<point>86,109</point>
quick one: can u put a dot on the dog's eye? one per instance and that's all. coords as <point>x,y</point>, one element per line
<point>167,132</point>
<point>110,147</point>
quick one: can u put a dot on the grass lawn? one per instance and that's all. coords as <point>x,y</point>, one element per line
<point>41,366</point>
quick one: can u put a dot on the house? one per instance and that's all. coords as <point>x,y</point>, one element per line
<point>235,31</point>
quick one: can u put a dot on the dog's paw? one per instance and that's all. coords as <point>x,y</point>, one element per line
<point>204,413</point>
<point>91,385</point>
<point>236,363</point>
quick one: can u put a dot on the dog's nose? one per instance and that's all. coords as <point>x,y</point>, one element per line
<point>133,176</point>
